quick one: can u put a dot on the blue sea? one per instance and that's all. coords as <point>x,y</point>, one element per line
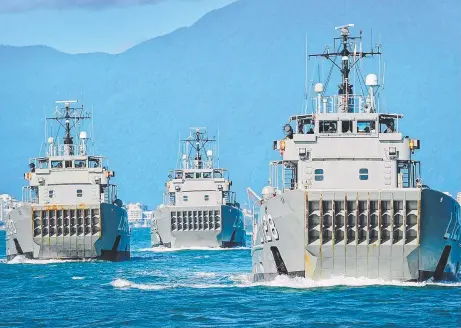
<point>207,288</point>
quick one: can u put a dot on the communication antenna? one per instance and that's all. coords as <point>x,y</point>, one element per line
<point>46,126</point>
<point>217,157</point>
<point>179,159</point>
<point>355,56</point>
<point>92,129</point>
<point>384,74</point>
<point>379,57</point>
<point>306,80</point>
<point>371,39</point>
<point>360,52</point>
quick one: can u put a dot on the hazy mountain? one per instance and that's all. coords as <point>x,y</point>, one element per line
<point>240,69</point>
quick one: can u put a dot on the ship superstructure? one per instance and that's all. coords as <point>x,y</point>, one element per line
<point>138,215</point>
<point>199,209</point>
<point>7,204</point>
<point>70,207</point>
<point>346,198</point>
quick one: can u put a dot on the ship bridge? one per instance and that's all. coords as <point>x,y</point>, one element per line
<point>198,181</point>
<point>346,141</point>
<point>68,174</point>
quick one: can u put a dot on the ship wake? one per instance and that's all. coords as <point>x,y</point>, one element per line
<point>127,284</point>
<point>204,280</point>
<point>338,281</point>
<point>21,259</point>
<point>161,249</point>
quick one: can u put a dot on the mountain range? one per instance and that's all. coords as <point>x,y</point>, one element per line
<point>239,71</point>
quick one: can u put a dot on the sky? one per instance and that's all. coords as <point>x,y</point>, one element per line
<point>80,26</point>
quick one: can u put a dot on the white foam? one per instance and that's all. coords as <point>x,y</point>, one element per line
<point>126,284</point>
<point>161,249</point>
<point>214,248</point>
<point>202,257</point>
<point>244,281</point>
<point>77,278</point>
<point>205,286</point>
<point>306,283</point>
<point>21,259</point>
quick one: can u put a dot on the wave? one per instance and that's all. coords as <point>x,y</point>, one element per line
<point>202,257</point>
<point>244,281</point>
<point>161,249</point>
<point>77,278</point>
<point>21,259</point>
<point>336,281</point>
<point>127,284</point>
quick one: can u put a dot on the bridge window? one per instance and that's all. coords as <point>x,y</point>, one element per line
<point>94,162</point>
<point>207,198</point>
<point>363,174</point>
<point>79,192</point>
<point>189,175</point>
<point>43,164</point>
<point>178,175</point>
<point>51,193</point>
<point>318,174</point>
<point>327,126</point>
<point>198,175</point>
<point>56,164</point>
<point>79,164</point>
<point>346,126</point>
<point>365,126</point>
<point>387,125</point>
<point>68,164</point>
<point>185,198</point>
<point>217,174</point>
<point>310,128</point>
<point>207,175</point>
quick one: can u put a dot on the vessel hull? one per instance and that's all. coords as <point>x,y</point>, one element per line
<point>73,232</point>
<point>171,228</point>
<point>404,235</point>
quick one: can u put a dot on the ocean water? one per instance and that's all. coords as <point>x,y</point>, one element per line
<point>207,288</point>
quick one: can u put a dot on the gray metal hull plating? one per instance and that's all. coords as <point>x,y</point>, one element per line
<point>180,227</point>
<point>405,235</point>
<point>41,232</point>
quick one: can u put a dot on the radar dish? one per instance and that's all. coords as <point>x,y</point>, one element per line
<point>371,80</point>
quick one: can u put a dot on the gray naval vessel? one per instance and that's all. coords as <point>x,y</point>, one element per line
<point>199,209</point>
<point>346,198</point>
<point>71,209</point>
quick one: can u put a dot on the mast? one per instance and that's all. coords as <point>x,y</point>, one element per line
<point>199,150</point>
<point>68,117</point>
<point>68,140</point>
<point>349,58</point>
<point>347,87</point>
